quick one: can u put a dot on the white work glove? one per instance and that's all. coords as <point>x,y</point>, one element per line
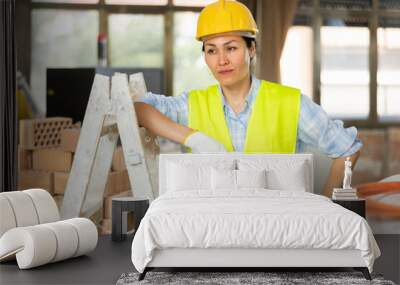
<point>201,143</point>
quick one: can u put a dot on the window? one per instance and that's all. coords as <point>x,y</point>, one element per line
<point>344,70</point>
<point>136,40</point>
<point>346,5</point>
<point>60,41</point>
<point>356,60</point>
<point>190,69</point>
<point>336,71</point>
<point>389,70</point>
<point>68,1</point>
<point>297,59</point>
<point>199,3</point>
<point>136,33</point>
<point>137,2</point>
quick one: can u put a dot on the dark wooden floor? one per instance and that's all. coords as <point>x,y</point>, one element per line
<point>102,266</point>
<point>110,260</point>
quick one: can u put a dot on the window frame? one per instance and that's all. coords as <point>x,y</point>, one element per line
<point>317,15</point>
<point>106,9</point>
<point>315,12</point>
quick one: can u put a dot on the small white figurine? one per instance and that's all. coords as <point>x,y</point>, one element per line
<point>347,174</point>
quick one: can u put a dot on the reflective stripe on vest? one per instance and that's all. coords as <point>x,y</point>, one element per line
<point>272,126</point>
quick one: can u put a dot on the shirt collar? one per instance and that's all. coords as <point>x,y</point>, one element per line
<point>255,84</point>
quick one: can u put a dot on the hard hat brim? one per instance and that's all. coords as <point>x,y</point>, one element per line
<point>248,34</point>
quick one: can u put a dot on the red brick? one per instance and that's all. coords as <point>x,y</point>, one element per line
<point>42,133</point>
<point>52,159</point>
<point>69,139</point>
<point>35,179</point>
<point>118,181</point>
<point>118,161</point>
<point>60,182</point>
<point>373,140</point>
<point>393,151</point>
<point>24,159</point>
<point>370,165</point>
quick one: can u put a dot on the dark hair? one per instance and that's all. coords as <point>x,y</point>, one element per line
<point>246,39</point>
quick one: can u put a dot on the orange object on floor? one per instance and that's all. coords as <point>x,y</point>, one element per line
<point>375,208</point>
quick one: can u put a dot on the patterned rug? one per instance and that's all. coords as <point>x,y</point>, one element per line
<point>269,278</point>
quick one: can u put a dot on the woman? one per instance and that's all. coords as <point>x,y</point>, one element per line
<point>243,113</point>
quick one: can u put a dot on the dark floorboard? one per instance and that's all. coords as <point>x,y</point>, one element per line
<point>110,260</point>
<point>102,266</point>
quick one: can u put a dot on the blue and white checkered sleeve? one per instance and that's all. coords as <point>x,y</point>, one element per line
<point>174,107</point>
<point>329,136</point>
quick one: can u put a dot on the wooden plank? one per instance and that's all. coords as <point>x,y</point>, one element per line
<point>137,88</point>
<point>151,154</point>
<point>130,137</point>
<point>82,166</point>
<point>101,168</point>
<point>105,120</point>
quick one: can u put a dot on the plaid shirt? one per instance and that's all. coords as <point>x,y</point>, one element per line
<point>315,128</point>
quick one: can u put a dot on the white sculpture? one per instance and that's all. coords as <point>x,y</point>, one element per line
<point>347,174</point>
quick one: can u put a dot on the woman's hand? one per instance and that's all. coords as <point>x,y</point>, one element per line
<point>201,143</point>
<point>159,124</point>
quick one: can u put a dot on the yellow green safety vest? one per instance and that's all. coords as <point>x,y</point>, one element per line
<point>272,126</point>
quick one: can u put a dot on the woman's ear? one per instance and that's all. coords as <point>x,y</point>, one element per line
<point>252,50</point>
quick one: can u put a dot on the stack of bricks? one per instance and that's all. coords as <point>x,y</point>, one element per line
<point>45,154</point>
<point>39,154</point>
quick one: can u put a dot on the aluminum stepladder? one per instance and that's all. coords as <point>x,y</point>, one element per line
<point>110,115</point>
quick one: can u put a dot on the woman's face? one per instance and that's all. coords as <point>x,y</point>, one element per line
<point>228,58</point>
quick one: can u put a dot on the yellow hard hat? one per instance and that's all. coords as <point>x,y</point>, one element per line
<point>224,17</point>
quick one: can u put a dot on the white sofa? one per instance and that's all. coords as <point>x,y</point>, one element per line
<point>31,231</point>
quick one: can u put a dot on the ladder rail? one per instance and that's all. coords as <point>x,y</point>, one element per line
<point>86,150</point>
<point>110,115</point>
<point>93,199</point>
<point>130,136</point>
